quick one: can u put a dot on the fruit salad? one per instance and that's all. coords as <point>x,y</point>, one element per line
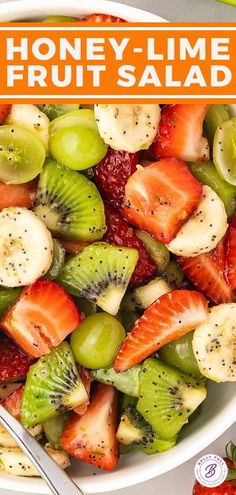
<point>117,273</point>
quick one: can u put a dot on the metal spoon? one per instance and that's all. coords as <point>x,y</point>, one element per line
<point>55,477</point>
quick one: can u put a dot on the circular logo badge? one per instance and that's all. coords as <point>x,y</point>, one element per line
<point>211,470</point>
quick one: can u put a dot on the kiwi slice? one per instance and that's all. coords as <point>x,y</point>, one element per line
<point>54,110</point>
<point>167,397</point>
<point>101,274</point>
<point>69,204</point>
<point>8,297</point>
<point>126,382</point>
<point>53,386</point>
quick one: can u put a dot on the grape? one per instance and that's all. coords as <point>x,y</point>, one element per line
<point>96,342</point>
<point>224,151</point>
<point>22,155</point>
<point>60,18</point>
<point>179,353</point>
<point>54,110</point>
<point>215,116</point>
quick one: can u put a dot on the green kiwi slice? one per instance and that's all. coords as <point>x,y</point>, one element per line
<point>53,386</point>
<point>101,274</point>
<point>69,204</point>
<point>126,382</point>
<point>54,110</point>
<point>167,397</point>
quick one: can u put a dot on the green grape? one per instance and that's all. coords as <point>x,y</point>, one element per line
<point>215,116</point>
<point>57,261</point>
<point>22,155</point>
<point>224,151</point>
<point>179,353</point>
<point>54,110</point>
<point>60,18</point>
<point>8,297</point>
<point>77,118</point>
<point>96,342</point>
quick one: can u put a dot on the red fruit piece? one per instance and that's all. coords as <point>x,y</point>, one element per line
<point>230,251</point>
<point>13,401</point>
<point>167,319</point>
<point>161,197</point>
<point>112,173</point>
<point>180,133</point>
<point>103,18</point>
<point>206,272</point>
<point>92,437</point>
<point>86,379</point>
<point>4,112</point>
<point>17,194</point>
<point>41,318</point>
<point>121,234</point>
<point>226,488</point>
<point>14,364</point>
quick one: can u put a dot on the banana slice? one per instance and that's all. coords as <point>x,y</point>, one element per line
<point>128,127</point>
<point>7,441</point>
<point>31,118</point>
<point>16,463</point>
<point>26,247</point>
<point>204,229</point>
<point>214,344</point>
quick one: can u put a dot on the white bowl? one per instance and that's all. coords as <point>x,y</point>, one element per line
<point>219,409</point>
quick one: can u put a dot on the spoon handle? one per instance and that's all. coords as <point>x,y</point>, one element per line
<point>55,477</point>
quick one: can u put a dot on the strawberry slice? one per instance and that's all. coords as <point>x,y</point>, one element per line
<point>112,173</point>
<point>86,379</point>
<point>103,18</point>
<point>92,437</point>
<point>230,249</point>
<point>14,364</point>
<point>4,112</point>
<point>121,234</point>
<point>206,273</point>
<point>13,401</point>
<point>168,318</point>
<point>180,133</point>
<point>161,197</point>
<point>17,194</point>
<point>41,318</point>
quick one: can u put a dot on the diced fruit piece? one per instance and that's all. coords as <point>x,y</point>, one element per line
<point>174,275</point>
<point>112,173</point>
<point>179,353</point>
<point>22,154</point>
<point>73,247</point>
<point>86,307</point>
<point>167,397</point>
<point>160,198</point>
<point>14,364</point>
<point>168,318</point>
<point>86,378</point>
<point>157,250</point>
<point>6,389</point>
<point>180,132</point>
<point>53,110</point>
<point>17,194</point>
<point>126,382</point>
<point>207,174</point>
<point>26,247</point>
<point>144,296</point>
<point>128,127</point>
<point>4,111</point>
<point>65,212</point>
<point>206,272</point>
<point>55,373</point>
<point>97,340</point>
<point>224,156</point>
<point>74,140</point>
<point>13,401</point>
<point>216,115</point>
<point>103,18</point>
<point>214,344</point>
<point>128,319</point>
<point>41,318</point>
<point>133,429</point>
<point>58,260</point>
<point>8,297</point>
<point>16,463</point>
<point>158,445</point>
<point>204,230</point>
<point>53,429</point>
<point>92,437</point>
<point>30,117</point>
<point>121,234</point>
<point>230,252</point>
<point>6,440</point>
<point>101,274</point>
<point>59,18</point>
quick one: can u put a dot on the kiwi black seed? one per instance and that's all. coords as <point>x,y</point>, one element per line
<point>53,386</point>
<point>167,397</point>
<point>101,274</point>
<point>69,204</point>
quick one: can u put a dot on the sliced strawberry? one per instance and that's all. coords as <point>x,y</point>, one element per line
<point>161,197</point>
<point>112,173</point>
<point>13,401</point>
<point>180,132</point>
<point>121,234</point>
<point>41,318</point>
<point>17,194</point>
<point>4,112</point>
<point>73,247</point>
<point>92,437</point>
<point>168,318</point>
<point>86,379</point>
<point>206,273</point>
<point>103,18</point>
<point>230,251</point>
<point>14,364</point>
